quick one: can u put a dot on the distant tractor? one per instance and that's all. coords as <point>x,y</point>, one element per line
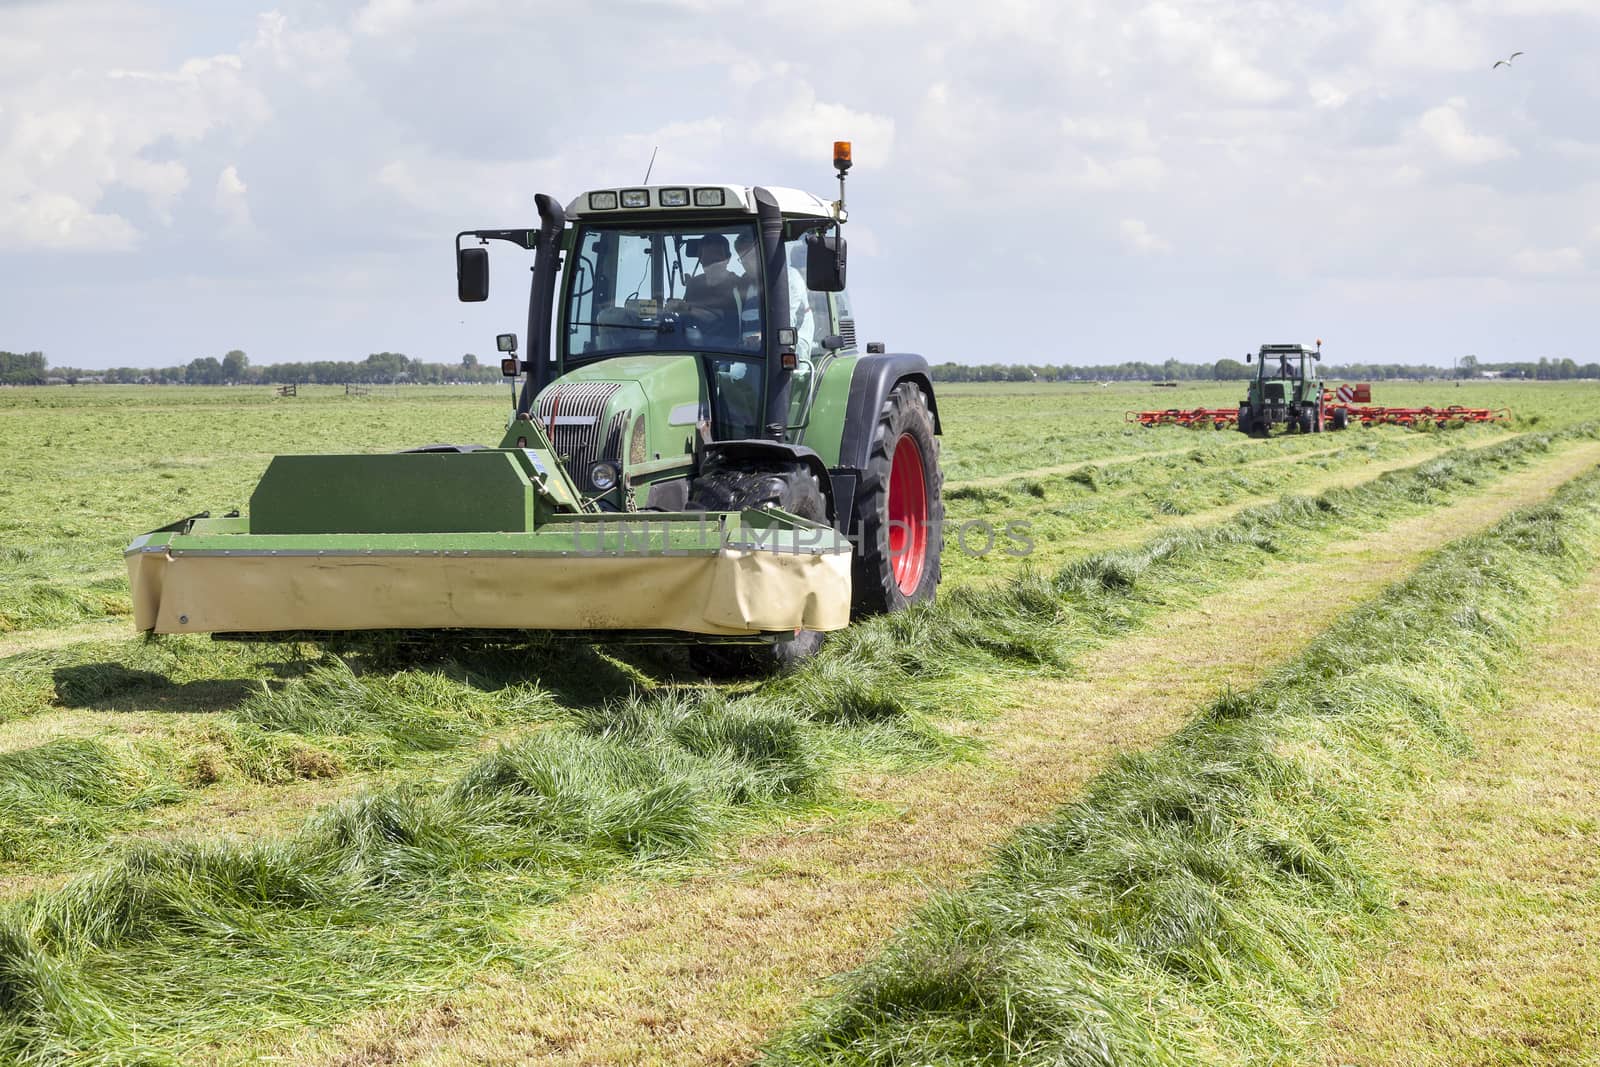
<point>1286,391</point>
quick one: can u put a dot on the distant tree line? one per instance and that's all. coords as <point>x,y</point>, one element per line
<point>1173,370</point>
<point>389,368</point>
<point>235,368</point>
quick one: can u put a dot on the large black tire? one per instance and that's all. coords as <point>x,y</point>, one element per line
<point>1341,418</point>
<point>897,555</point>
<point>732,486</point>
<point>1305,422</point>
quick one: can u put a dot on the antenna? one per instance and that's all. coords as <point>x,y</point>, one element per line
<point>652,165</point>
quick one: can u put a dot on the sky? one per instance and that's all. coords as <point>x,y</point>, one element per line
<point>1045,182</point>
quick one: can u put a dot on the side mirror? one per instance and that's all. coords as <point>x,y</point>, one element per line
<point>825,262</point>
<point>1248,356</point>
<point>472,275</point>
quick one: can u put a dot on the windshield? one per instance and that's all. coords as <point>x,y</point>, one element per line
<point>1279,365</point>
<point>649,289</point>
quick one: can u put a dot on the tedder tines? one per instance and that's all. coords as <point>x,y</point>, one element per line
<point>692,451</point>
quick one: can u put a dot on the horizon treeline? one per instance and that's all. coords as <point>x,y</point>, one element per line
<point>391,368</point>
<point>1228,370</point>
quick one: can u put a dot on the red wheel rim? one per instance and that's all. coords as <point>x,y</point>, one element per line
<point>908,515</point>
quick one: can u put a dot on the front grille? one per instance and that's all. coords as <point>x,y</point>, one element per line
<point>579,436</point>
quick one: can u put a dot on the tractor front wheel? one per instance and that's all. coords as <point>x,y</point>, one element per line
<point>899,508</point>
<point>724,486</point>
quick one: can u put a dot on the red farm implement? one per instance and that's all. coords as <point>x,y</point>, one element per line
<point>1372,415</point>
<point>1346,405</point>
<point>1220,418</point>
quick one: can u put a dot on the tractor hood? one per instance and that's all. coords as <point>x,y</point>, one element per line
<point>629,410</point>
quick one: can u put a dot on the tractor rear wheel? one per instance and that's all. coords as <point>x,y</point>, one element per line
<point>725,486</point>
<point>899,508</point>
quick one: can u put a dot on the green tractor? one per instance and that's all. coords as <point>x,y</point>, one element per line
<point>698,450</point>
<point>1286,391</point>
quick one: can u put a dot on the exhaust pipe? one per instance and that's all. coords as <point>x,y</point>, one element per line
<point>541,299</point>
<point>780,370</point>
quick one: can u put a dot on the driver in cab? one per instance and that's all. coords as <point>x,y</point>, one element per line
<point>709,298</point>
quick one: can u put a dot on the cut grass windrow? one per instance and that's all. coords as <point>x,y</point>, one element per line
<point>1199,903</point>
<point>404,889</point>
<point>178,941</point>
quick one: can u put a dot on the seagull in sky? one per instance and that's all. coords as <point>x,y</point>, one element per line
<point>1505,62</point>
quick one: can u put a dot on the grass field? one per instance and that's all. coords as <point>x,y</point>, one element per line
<point>1147,794</point>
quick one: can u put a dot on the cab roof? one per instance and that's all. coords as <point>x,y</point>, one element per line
<point>1288,350</point>
<point>693,200</point>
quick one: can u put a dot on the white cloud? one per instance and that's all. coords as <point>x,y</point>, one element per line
<point>802,126</point>
<point>380,18</point>
<point>1290,145</point>
<point>232,202</point>
<point>1325,94</point>
<point>1132,172</point>
<point>1124,131</point>
<point>1136,236</point>
<point>1445,128</point>
<point>54,220</point>
<point>72,137</point>
<point>1215,48</point>
<point>1421,35</point>
<point>1548,261</point>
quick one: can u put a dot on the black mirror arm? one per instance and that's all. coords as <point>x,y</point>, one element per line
<point>524,239</point>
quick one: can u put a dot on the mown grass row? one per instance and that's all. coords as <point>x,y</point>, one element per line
<point>1061,509</point>
<point>1200,902</point>
<point>406,887</point>
<point>1109,479</point>
<point>871,693</point>
<point>398,889</point>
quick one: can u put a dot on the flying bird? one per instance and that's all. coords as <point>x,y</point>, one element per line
<point>1505,62</point>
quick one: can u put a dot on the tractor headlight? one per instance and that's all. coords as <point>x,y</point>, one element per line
<point>604,475</point>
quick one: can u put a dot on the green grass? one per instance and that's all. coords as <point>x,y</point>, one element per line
<point>405,887</point>
<point>491,775</point>
<point>877,688</point>
<point>69,793</point>
<point>399,887</point>
<point>1200,902</point>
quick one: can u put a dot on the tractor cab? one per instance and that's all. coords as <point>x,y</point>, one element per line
<point>683,316</point>
<point>682,272</point>
<point>1286,390</point>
